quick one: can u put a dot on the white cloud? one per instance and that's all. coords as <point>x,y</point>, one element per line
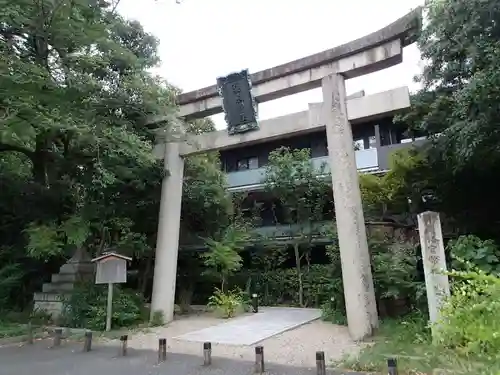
<point>203,39</point>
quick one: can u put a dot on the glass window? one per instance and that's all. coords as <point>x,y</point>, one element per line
<point>248,163</point>
<point>253,163</point>
<point>372,142</point>
<point>242,164</point>
<point>359,144</point>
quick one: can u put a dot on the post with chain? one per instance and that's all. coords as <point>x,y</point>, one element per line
<point>87,343</point>
<point>162,350</point>
<point>30,333</point>
<point>320,363</point>
<point>57,337</point>
<point>123,345</point>
<point>392,366</point>
<point>207,353</point>
<point>259,359</point>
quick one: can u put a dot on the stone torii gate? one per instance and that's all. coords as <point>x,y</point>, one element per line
<point>328,69</point>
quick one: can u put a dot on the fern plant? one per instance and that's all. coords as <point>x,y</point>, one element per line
<point>227,304</point>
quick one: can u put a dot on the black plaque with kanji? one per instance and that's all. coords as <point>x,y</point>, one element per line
<point>238,102</point>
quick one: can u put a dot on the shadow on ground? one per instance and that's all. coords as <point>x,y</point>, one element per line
<point>105,360</point>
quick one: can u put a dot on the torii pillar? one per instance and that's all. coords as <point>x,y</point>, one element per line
<point>359,293</point>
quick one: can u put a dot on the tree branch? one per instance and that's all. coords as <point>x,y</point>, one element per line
<point>4,147</point>
<point>54,12</point>
<point>115,6</point>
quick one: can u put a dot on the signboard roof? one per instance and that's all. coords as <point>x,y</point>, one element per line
<point>110,255</point>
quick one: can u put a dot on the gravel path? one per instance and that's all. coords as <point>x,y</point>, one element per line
<point>295,348</point>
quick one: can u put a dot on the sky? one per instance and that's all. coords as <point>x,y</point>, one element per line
<point>201,40</point>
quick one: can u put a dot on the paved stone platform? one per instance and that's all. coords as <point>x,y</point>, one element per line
<point>251,329</point>
<point>103,359</point>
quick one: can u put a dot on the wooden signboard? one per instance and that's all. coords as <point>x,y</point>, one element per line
<point>111,269</point>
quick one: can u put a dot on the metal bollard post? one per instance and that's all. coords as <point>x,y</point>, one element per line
<point>162,350</point>
<point>255,303</point>
<point>30,333</point>
<point>124,345</point>
<point>392,366</point>
<point>320,363</point>
<point>259,359</point>
<point>207,353</point>
<point>87,344</point>
<point>57,337</point>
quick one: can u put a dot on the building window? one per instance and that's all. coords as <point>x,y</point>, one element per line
<point>359,144</point>
<point>372,142</point>
<point>247,163</point>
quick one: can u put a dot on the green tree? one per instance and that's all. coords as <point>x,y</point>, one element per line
<point>76,168</point>
<point>75,97</point>
<point>302,192</point>
<point>458,108</point>
<point>223,256</point>
<point>74,81</point>
<point>389,194</point>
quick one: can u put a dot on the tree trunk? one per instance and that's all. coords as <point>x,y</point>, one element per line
<point>144,279</point>
<point>40,169</point>
<point>102,241</point>
<point>223,283</point>
<point>40,160</point>
<point>299,274</point>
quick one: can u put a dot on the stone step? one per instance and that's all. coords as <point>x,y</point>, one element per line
<point>47,297</point>
<point>57,287</point>
<point>63,278</point>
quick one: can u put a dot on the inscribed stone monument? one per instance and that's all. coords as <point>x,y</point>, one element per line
<point>434,260</point>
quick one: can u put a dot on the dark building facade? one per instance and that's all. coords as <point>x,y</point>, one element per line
<point>374,142</point>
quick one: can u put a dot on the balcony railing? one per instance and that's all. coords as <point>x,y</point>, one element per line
<point>281,233</point>
<point>366,160</point>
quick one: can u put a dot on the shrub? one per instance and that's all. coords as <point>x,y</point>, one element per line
<point>331,312</point>
<point>278,287</point>
<point>10,280</point>
<point>471,250</point>
<point>86,307</point>
<point>227,304</point>
<point>395,276</point>
<point>394,264</point>
<point>469,318</point>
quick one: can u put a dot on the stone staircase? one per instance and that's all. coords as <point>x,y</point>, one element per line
<point>50,299</point>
